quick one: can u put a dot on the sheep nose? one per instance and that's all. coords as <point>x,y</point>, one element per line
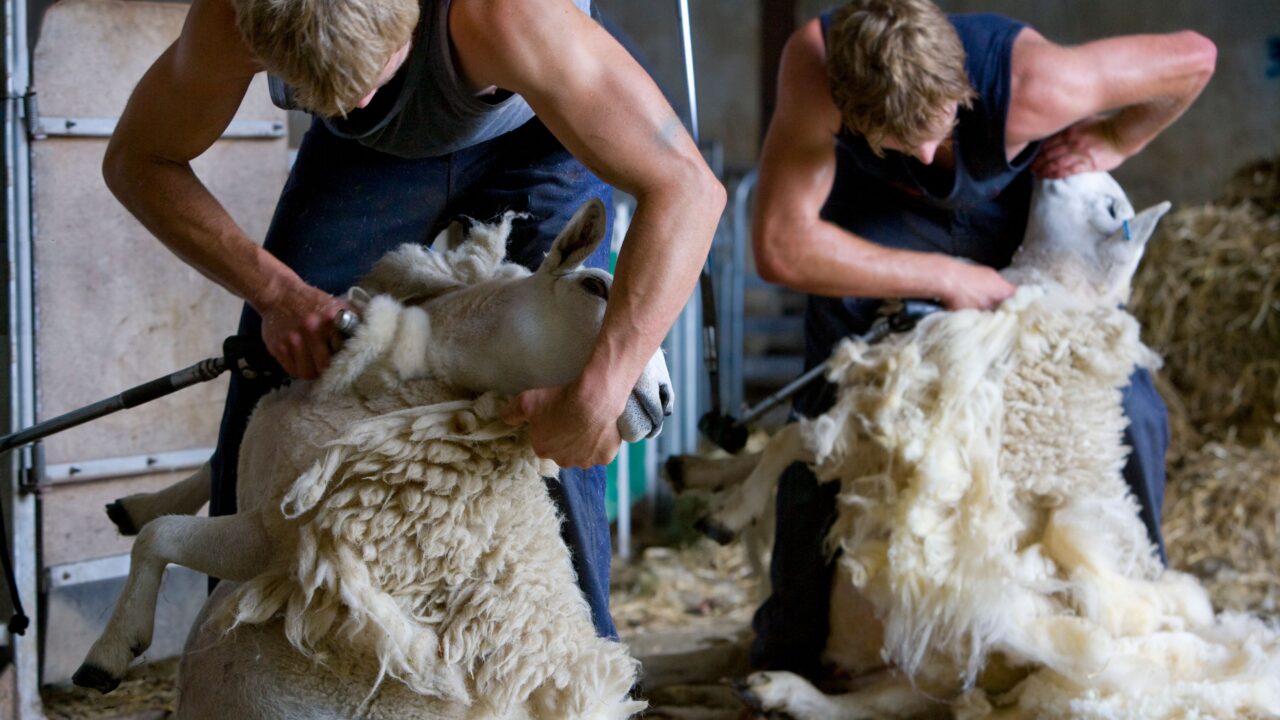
<point>664,397</point>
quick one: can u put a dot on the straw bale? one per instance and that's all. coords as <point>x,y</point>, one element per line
<point>1208,296</point>
<point>1222,523</point>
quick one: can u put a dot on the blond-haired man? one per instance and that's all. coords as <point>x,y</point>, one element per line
<point>898,165</point>
<point>427,110</point>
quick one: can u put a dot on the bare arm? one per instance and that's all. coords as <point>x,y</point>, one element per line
<point>1143,82</point>
<point>605,110</point>
<point>177,111</point>
<point>795,247</point>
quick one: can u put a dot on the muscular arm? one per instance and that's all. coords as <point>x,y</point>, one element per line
<point>794,246</point>
<point>177,111</point>
<point>1144,83</point>
<point>605,110</point>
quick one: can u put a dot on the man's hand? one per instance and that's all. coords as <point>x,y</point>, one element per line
<point>1088,146</point>
<point>965,285</point>
<point>567,426</point>
<point>299,332</point>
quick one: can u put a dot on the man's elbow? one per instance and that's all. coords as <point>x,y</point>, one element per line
<point>115,166</point>
<point>712,191</point>
<point>694,187</point>
<point>773,262</point>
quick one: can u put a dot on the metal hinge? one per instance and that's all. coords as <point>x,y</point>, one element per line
<point>31,114</point>
<point>31,479</point>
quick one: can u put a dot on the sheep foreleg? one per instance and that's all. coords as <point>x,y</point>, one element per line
<point>234,547</point>
<point>184,497</point>
<point>745,504</point>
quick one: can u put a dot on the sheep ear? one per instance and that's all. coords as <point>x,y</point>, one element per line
<point>358,298</point>
<point>1142,225</point>
<point>577,241</point>
<point>449,238</point>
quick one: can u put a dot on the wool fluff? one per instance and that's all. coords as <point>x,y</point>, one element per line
<point>982,513</point>
<point>426,540</point>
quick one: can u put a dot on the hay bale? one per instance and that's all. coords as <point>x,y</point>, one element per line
<point>1208,296</point>
<point>1222,523</point>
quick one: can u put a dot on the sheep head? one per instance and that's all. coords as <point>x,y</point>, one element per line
<point>1083,236</point>
<point>460,315</point>
<point>546,330</point>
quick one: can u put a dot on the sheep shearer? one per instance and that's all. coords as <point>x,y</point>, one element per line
<point>426,110</point>
<point>898,165</point>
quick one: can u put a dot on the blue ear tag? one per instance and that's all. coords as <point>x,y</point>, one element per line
<point>1128,234</point>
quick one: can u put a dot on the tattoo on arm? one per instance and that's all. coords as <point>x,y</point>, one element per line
<point>670,130</point>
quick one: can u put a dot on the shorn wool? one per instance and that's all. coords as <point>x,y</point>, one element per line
<point>983,514</point>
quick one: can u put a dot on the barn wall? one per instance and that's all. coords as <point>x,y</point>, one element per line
<point>114,309</point>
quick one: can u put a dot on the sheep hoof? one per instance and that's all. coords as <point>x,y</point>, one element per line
<point>743,690</point>
<point>675,473</point>
<point>120,516</point>
<point>95,678</point>
<point>714,530</point>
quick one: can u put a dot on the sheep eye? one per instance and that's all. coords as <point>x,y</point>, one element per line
<point>1111,207</point>
<point>595,286</point>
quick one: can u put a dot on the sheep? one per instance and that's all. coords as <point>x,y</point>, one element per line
<point>396,552</point>
<point>988,548</point>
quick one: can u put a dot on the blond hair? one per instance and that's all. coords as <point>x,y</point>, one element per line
<point>330,52</point>
<point>894,66</point>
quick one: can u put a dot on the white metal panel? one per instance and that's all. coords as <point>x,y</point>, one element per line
<point>114,307</point>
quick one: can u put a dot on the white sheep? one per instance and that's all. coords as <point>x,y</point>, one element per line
<point>990,551</point>
<point>396,552</point>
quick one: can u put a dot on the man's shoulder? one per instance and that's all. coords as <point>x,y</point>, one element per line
<point>804,74</point>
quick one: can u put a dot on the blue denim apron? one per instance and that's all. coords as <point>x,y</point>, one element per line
<point>978,211</point>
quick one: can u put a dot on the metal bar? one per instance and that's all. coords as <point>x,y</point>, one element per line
<point>86,571</point>
<point>686,43</point>
<point>44,126</point>
<point>784,394</point>
<point>106,468</point>
<point>200,372</point>
<point>736,287</point>
<point>21,323</point>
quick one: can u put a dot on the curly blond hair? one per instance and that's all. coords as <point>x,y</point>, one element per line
<point>330,52</point>
<point>894,66</point>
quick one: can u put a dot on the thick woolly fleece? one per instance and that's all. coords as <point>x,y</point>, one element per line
<point>982,512</point>
<point>414,536</point>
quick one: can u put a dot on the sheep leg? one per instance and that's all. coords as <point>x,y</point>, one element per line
<point>234,547</point>
<point>184,497</point>
<point>690,472</point>
<point>794,696</point>
<point>745,504</point>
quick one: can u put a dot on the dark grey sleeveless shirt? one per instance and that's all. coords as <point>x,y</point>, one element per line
<point>427,110</point>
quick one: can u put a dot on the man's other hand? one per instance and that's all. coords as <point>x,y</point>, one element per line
<point>965,285</point>
<point>566,426</point>
<point>1087,146</point>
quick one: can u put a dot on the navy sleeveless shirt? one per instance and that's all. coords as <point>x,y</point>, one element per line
<point>427,109</point>
<point>978,210</point>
